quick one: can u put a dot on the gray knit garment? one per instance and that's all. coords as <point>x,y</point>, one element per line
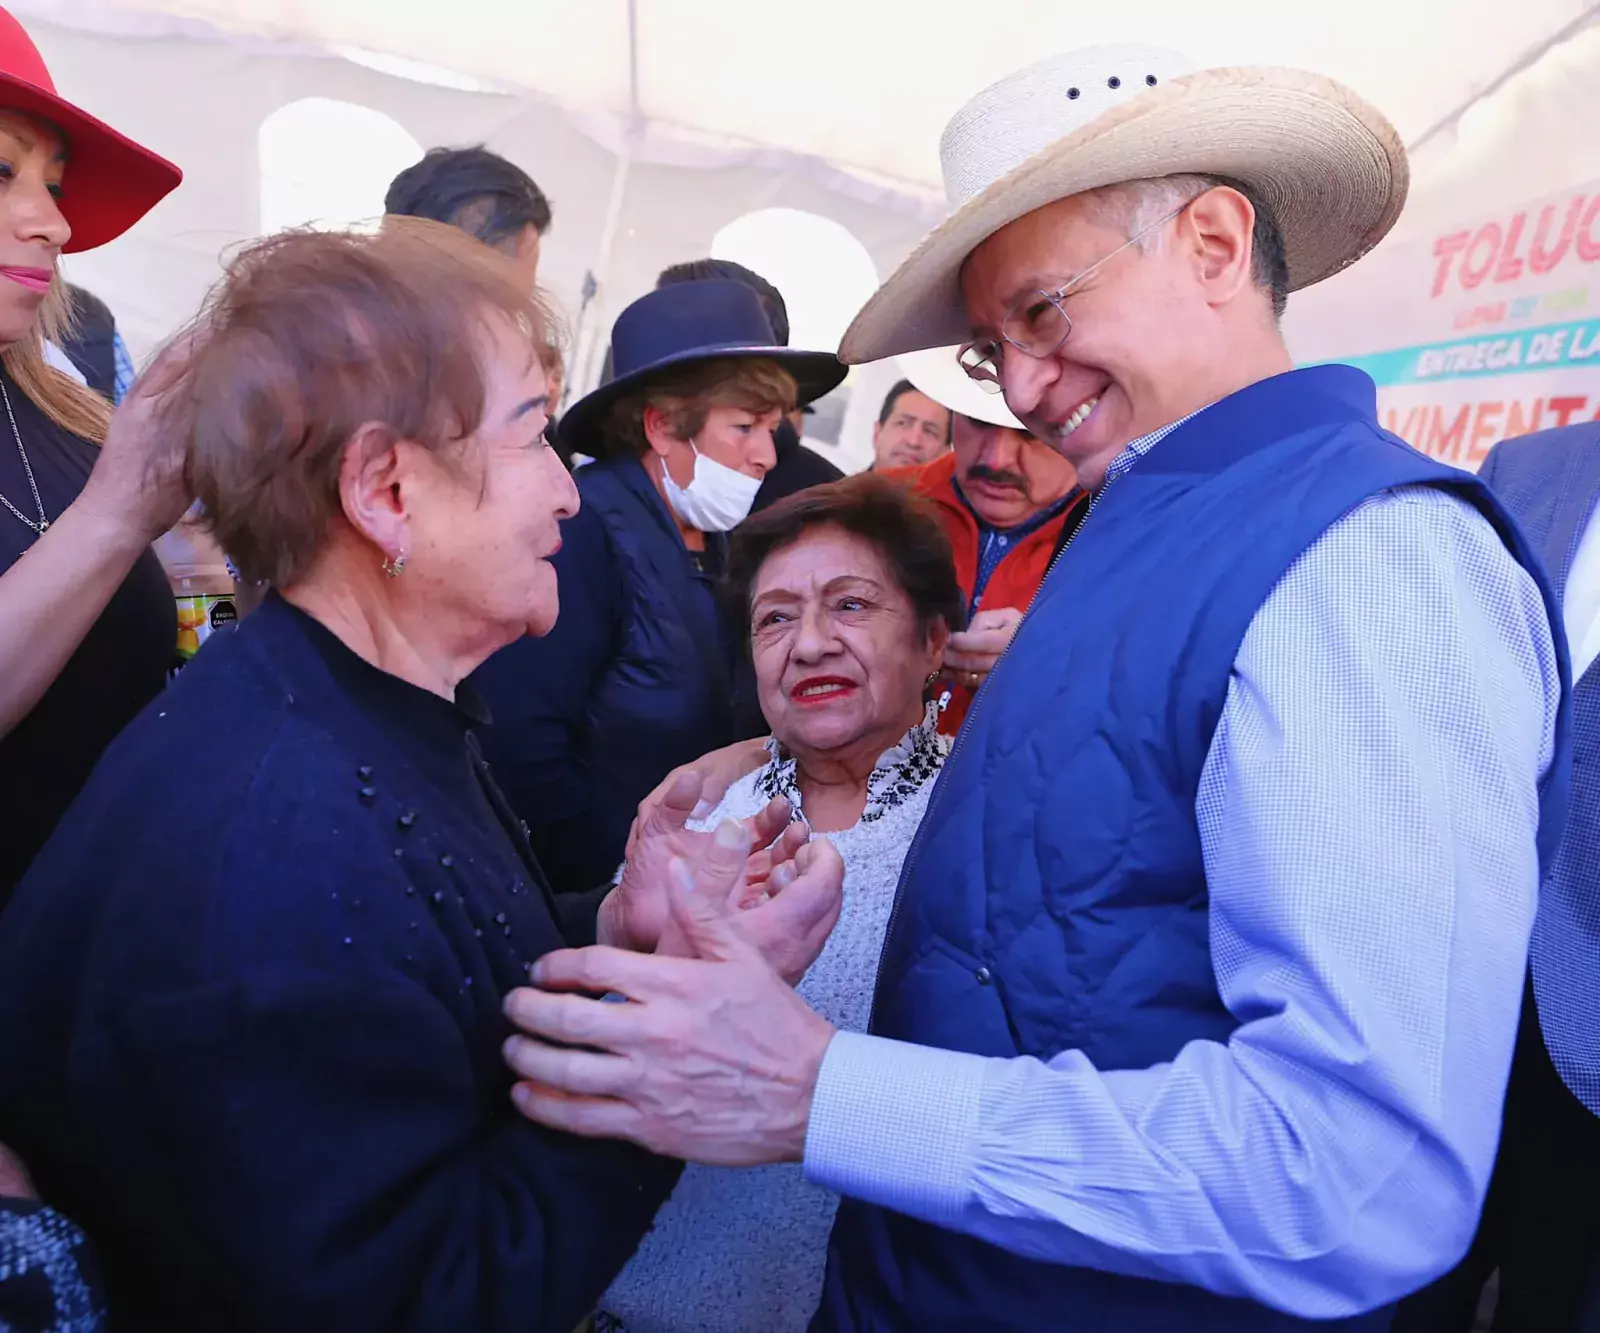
<point>735,1251</point>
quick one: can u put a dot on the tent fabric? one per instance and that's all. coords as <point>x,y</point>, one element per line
<point>647,148</point>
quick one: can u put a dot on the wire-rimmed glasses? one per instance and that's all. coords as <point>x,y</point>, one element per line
<point>1037,324</point>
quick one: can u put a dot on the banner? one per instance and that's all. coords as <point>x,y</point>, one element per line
<point>1474,334</point>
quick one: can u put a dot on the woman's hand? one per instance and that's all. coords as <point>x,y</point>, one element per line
<point>971,654</point>
<point>716,772</point>
<point>14,1181</point>
<point>635,912</point>
<point>138,479</point>
<point>788,925</point>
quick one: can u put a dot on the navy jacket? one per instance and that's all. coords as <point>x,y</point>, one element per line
<point>1023,933</point>
<point>640,675</point>
<point>250,1018</point>
<point>1551,482</point>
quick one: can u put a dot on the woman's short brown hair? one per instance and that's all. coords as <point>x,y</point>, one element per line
<point>309,337</point>
<point>687,395</point>
<point>903,527</point>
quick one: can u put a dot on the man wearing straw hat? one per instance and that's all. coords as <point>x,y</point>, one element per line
<point>1005,500</point>
<point>1200,994</point>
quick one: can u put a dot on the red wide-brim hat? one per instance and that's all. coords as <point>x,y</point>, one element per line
<point>110,182</point>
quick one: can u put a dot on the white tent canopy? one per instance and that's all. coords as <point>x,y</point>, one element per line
<point>654,124</point>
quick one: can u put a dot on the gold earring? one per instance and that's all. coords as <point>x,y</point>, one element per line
<point>394,566</point>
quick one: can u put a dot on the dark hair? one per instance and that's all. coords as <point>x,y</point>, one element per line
<point>1269,262</point>
<point>698,270</point>
<point>902,526</point>
<point>473,189</point>
<point>900,387</point>
<point>903,387</point>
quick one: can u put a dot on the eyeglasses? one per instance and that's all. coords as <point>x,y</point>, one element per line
<point>1037,324</point>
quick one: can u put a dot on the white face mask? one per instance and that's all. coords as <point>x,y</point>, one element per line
<point>717,498</point>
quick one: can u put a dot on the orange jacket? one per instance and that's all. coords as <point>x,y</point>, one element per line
<point>1015,579</point>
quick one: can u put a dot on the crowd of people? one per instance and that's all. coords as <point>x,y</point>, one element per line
<point>1123,861</point>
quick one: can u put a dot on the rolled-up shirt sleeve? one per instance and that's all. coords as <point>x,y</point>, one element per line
<point>1368,814</point>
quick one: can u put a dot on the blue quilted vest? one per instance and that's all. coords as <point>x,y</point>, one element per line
<point>1055,898</point>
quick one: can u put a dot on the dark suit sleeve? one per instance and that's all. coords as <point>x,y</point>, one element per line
<point>538,689</point>
<point>353,1193</point>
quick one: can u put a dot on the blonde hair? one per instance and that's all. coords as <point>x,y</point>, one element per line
<point>686,396</point>
<point>69,404</point>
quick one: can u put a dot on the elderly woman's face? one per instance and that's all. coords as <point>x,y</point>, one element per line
<point>839,655</point>
<point>32,229</point>
<point>483,531</point>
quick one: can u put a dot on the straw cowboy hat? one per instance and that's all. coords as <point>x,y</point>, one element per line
<point>111,182</point>
<point>936,373</point>
<point>1330,168</point>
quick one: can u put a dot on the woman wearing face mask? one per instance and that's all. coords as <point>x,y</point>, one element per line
<point>642,672</point>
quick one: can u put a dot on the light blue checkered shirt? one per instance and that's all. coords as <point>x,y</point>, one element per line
<point>1367,814</point>
<point>124,371</point>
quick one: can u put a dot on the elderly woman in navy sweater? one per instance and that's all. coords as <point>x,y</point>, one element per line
<point>250,993</point>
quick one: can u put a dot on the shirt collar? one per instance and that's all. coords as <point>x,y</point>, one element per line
<point>1137,449</point>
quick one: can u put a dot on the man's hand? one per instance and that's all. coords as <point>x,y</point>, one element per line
<point>714,1060</point>
<point>14,1181</point>
<point>971,654</point>
<point>634,913</point>
<point>716,772</point>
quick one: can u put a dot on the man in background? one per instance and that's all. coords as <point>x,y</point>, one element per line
<point>1540,1228</point>
<point>797,467</point>
<point>481,193</point>
<point>1005,500</point>
<point>912,429</point>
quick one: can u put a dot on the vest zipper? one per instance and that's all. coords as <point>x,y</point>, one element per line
<point>955,749</point>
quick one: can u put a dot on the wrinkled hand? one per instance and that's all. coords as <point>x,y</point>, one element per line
<point>972,653</point>
<point>716,771</point>
<point>14,1181</point>
<point>789,923</point>
<point>635,912</point>
<point>714,1060</point>
<point>138,479</point>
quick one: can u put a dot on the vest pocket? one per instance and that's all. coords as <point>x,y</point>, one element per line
<point>949,998</point>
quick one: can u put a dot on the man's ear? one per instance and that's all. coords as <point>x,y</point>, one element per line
<point>1218,231</point>
<point>371,472</point>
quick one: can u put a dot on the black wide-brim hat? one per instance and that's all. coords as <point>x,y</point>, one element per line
<point>686,322</point>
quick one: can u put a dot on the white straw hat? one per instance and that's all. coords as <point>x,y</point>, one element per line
<point>1331,168</point>
<point>937,372</point>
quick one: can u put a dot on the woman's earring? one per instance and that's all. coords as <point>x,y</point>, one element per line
<point>394,566</point>
<point>932,676</point>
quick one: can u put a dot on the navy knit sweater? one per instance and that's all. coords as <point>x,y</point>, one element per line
<point>250,1016</point>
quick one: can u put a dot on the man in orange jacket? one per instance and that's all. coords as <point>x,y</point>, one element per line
<point>1007,502</point>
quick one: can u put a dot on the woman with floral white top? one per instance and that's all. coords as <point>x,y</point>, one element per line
<point>848,594</point>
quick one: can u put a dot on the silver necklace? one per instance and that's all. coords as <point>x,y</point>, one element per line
<point>27,467</point>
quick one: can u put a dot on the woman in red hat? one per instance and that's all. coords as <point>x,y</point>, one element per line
<point>86,619</point>
<point>86,616</point>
